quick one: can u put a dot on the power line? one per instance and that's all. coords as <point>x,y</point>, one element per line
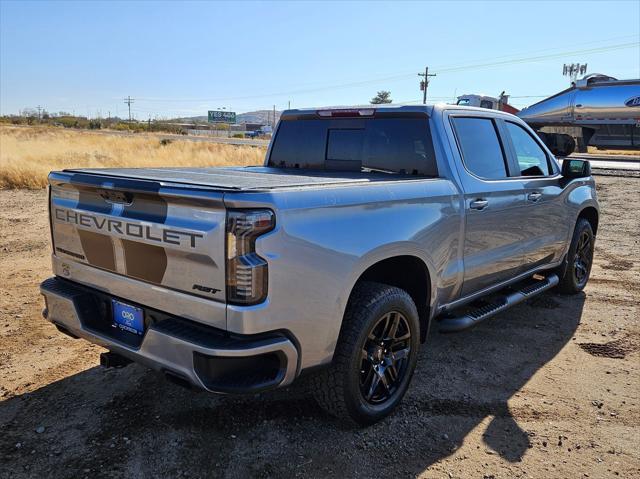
<point>544,50</point>
<point>621,46</point>
<point>451,69</point>
<point>197,112</point>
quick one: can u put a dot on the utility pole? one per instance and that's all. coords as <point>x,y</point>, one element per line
<point>424,84</point>
<point>39,108</point>
<point>128,102</point>
<point>273,125</point>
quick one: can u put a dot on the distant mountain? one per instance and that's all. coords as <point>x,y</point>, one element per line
<point>189,119</point>
<point>264,117</point>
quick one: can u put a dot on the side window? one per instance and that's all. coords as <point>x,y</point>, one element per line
<point>531,157</point>
<point>480,147</point>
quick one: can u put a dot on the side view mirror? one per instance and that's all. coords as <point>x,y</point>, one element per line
<point>576,168</point>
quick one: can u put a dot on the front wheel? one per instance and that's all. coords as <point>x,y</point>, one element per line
<point>579,259</point>
<point>375,356</point>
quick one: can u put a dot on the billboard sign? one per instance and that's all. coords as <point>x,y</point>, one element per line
<point>219,116</point>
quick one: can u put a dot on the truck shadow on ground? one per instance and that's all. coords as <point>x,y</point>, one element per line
<point>131,422</point>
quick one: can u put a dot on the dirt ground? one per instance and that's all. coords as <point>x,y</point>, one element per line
<point>549,389</point>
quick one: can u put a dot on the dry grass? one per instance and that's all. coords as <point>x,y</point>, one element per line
<point>593,150</point>
<point>27,154</point>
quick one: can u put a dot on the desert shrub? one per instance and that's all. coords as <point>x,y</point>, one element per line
<point>121,126</point>
<point>73,122</point>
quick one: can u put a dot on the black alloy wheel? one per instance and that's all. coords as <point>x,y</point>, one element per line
<point>385,356</point>
<point>582,259</point>
<point>375,357</point>
<point>574,275</point>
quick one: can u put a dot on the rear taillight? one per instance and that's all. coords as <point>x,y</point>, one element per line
<point>247,273</point>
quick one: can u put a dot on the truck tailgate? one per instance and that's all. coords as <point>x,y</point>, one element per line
<point>129,237</point>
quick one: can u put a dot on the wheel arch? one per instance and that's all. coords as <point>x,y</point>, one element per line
<point>591,215</point>
<point>409,273</point>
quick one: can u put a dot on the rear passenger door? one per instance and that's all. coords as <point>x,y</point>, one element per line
<point>494,203</point>
<point>548,223</point>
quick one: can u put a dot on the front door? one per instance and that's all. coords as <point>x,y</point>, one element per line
<point>548,224</point>
<point>494,204</point>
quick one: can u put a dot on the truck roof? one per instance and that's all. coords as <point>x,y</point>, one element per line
<point>385,109</point>
<point>382,108</point>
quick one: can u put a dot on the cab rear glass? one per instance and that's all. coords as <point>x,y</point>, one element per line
<point>389,145</point>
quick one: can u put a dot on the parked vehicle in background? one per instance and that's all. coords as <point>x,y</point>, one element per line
<point>363,229</point>
<point>484,101</point>
<point>606,110</point>
<point>262,132</point>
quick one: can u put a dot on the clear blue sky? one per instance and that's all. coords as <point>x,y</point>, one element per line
<point>183,58</point>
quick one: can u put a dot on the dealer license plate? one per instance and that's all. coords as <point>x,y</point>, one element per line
<point>128,318</point>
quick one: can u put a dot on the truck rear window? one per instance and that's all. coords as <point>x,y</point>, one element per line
<point>389,145</point>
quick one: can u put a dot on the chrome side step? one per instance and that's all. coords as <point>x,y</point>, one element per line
<point>453,324</point>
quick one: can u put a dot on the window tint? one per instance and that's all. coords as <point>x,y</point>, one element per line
<point>397,145</point>
<point>299,144</point>
<point>531,157</point>
<point>344,149</point>
<point>480,147</point>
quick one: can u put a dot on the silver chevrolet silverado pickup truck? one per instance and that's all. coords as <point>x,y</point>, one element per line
<point>364,228</point>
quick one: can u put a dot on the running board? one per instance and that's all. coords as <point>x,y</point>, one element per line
<point>467,320</point>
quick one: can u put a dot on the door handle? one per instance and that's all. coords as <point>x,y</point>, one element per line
<point>535,196</point>
<point>479,204</point>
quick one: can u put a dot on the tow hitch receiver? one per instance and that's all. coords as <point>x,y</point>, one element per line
<point>113,360</point>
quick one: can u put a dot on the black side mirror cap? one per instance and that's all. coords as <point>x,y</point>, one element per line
<point>575,168</point>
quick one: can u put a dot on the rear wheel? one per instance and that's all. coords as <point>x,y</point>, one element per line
<point>375,356</point>
<point>579,259</point>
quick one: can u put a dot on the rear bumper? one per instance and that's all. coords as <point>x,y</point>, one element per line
<point>204,356</point>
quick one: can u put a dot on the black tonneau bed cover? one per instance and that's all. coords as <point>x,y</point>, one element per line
<point>241,178</point>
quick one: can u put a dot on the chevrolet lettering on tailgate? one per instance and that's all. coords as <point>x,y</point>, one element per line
<point>127,229</point>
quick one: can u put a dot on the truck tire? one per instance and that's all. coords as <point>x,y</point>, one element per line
<point>579,259</point>
<point>375,356</point>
